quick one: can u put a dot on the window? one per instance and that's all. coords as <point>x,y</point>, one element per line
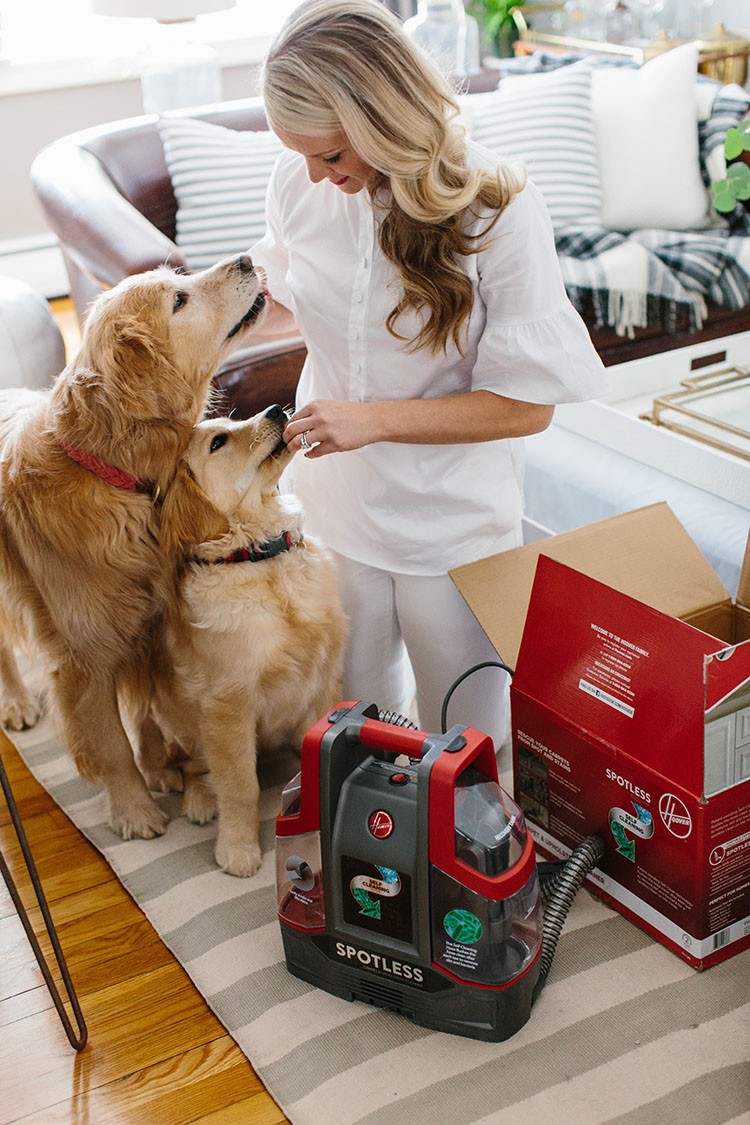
<point>39,31</point>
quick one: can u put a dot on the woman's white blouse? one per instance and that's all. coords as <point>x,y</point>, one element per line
<point>418,509</point>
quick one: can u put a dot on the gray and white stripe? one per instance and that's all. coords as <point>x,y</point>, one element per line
<point>624,1031</point>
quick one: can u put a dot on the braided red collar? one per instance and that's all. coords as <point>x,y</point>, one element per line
<point>257,552</point>
<point>117,477</point>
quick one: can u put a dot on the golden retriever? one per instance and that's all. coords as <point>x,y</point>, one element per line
<point>82,469</point>
<point>256,649</point>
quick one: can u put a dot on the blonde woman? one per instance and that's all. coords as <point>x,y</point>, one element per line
<point>421,272</point>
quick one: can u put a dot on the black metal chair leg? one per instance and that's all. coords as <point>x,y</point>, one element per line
<point>78,1041</point>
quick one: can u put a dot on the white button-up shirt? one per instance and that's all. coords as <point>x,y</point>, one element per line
<point>419,509</point>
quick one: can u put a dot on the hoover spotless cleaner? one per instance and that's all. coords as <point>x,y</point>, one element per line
<point>406,878</point>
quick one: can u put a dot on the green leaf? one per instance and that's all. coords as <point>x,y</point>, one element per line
<point>493,13</point>
<point>735,187</point>
<point>738,174</point>
<point>724,200</point>
<point>733,144</point>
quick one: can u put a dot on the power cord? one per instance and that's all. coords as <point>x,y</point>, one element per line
<point>460,680</point>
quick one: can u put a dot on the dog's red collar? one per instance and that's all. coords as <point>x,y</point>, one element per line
<point>117,477</point>
<point>258,552</point>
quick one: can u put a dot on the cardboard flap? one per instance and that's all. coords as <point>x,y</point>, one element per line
<point>728,681</point>
<point>646,554</point>
<point>628,675</point>
<point>741,623</point>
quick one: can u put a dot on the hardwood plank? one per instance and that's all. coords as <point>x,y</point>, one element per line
<point>184,1088</point>
<point>156,1052</point>
<point>251,1109</point>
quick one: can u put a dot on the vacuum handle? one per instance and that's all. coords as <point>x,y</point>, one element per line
<point>393,740</point>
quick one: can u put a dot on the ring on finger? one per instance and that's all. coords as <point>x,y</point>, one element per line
<point>304,444</point>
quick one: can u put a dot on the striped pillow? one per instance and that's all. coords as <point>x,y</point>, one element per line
<point>219,178</point>
<point>545,120</point>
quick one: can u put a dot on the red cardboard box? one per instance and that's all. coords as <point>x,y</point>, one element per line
<point>632,721</point>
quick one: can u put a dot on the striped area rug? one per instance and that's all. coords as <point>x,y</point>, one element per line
<point>624,1031</point>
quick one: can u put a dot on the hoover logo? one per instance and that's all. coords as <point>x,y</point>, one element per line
<point>380,824</point>
<point>675,815</point>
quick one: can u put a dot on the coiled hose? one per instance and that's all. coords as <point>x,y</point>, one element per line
<point>558,894</point>
<point>396,720</point>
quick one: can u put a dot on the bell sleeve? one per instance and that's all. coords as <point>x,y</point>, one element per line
<point>534,346</point>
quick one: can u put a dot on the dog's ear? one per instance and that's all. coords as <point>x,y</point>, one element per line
<point>122,334</point>
<point>187,514</point>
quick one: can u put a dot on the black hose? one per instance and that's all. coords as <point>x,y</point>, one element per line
<point>549,872</point>
<point>560,892</point>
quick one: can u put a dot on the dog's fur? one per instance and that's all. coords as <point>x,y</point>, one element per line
<point>256,651</point>
<point>82,571</point>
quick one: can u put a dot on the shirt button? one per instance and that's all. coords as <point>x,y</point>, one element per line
<point>356,369</point>
<point>357,297</point>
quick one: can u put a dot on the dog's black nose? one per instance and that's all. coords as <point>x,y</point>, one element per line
<point>245,263</point>
<point>275,413</point>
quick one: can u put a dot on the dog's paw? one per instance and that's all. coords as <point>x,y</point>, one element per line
<point>19,712</point>
<point>242,859</point>
<point>199,802</point>
<point>168,779</point>
<point>140,821</point>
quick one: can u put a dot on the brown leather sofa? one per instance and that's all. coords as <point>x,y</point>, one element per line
<point>107,195</point>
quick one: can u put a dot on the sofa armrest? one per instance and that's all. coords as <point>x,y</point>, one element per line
<point>98,229</point>
<point>257,376</point>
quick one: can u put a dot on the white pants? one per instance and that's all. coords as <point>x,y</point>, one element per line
<point>414,634</point>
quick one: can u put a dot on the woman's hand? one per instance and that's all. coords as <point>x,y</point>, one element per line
<point>326,426</point>
<point>332,426</point>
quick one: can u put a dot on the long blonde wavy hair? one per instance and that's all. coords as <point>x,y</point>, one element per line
<point>339,66</point>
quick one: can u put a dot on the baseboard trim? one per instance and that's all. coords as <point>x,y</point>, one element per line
<point>38,262</point>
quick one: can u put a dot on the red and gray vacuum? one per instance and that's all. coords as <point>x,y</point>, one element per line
<point>406,877</point>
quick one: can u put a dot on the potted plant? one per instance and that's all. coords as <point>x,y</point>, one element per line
<point>735,188</point>
<point>495,19</point>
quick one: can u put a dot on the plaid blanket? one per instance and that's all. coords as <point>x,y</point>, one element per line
<point>658,277</point>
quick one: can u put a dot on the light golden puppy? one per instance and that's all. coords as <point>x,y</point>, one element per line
<point>82,468</point>
<point>256,650</point>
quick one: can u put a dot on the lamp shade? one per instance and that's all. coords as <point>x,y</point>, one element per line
<point>163,10</point>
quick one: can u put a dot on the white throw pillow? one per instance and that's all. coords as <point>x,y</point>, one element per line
<point>546,121</point>
<point>647,140</point>
<point>219,178</point>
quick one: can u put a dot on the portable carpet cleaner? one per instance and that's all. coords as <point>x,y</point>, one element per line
<point>406,877</point>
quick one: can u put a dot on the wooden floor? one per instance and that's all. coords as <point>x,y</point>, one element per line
<point>67,322</point>
<point>156,1054</point>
